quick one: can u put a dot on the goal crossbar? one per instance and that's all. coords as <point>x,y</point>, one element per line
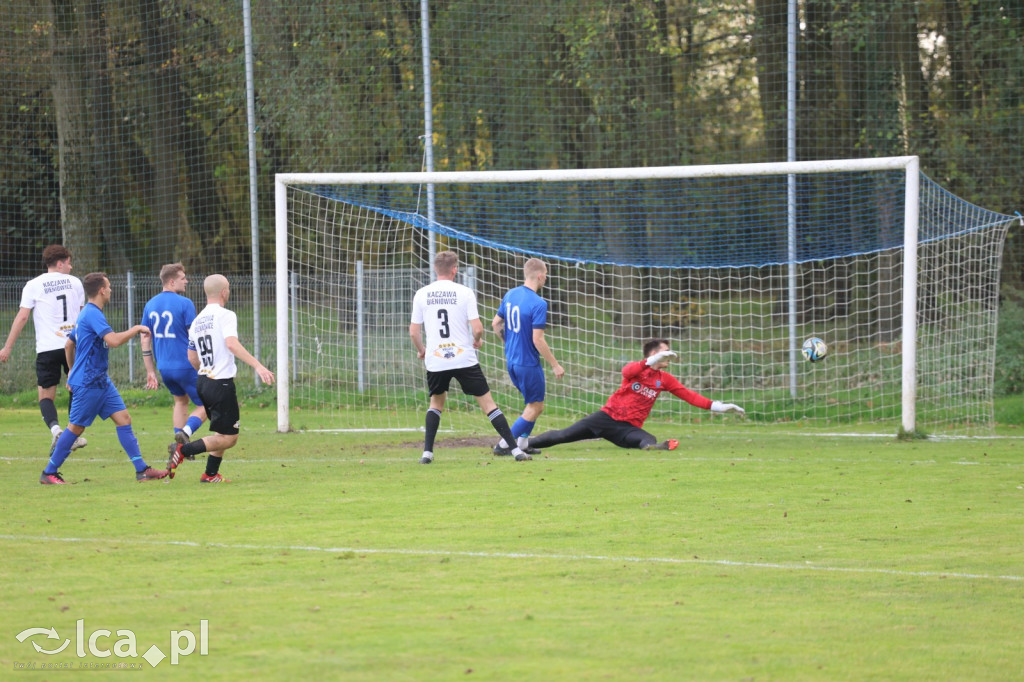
<point>595,174</point>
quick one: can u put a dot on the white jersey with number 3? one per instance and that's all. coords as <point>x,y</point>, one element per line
<point>207,337</point>
<point>444,308</point>
<point>55,300</point>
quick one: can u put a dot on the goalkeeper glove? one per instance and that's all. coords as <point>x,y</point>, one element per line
<point>722,408</point>
<point>660,357</point>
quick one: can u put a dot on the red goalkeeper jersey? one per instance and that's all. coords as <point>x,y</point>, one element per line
<point>641,386</point>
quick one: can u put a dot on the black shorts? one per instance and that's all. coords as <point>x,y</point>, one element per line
<point>471,379</point>
<point>221,402</point>
<point>49,365</point>
<point>621,433</point>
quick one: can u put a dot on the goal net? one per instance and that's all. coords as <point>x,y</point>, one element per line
<point>736,265</point>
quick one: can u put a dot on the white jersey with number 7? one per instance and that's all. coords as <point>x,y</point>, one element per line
<point>55,300</point>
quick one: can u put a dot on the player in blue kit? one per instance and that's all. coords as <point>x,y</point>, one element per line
<point>520,321</point>
<point>95,394</point>
<point>168,316</point>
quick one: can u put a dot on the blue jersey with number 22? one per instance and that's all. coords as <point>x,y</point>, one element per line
<point>168,316</point>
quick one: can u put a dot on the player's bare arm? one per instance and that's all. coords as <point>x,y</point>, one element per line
<point>477,327</point>
<point>20,320</point>
<point>239,351</point>
<point>416,334</point>
<point>498,325</point>
<point>545,352</point>
<point>115,339</point>
<point>152,382</point>
<point>69,352</point>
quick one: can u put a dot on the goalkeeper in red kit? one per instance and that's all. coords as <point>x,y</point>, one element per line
<point>621,419</point>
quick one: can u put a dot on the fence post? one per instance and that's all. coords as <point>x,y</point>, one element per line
<point>130,311</point>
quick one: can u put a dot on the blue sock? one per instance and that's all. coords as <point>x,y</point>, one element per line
<point>193,424</point>
<point>60,451</point>
<point>131,445</point>
<point>522,428</point>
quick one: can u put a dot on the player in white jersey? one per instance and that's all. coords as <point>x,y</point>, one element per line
<point>446,314</point>
<point>213,346</point>
<point>54,300</point>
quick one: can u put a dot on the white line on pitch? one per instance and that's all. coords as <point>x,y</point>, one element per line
<point>753,459</point>
<point>527,555</point>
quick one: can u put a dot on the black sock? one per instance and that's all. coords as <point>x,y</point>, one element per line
<point>49,412</point>
<point>193,448</point>
<point>213,465</point>
<point>433,421</point>
<point>500,425</point>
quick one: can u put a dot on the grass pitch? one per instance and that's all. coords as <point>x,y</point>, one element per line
<point>748,553</point>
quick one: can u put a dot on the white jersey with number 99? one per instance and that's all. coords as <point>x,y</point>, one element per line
<point>207,337</point>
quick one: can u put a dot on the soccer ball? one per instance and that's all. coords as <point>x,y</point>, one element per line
<point>814,349</point>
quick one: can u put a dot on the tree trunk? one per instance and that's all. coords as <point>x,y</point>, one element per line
<point>109,190</point>
<point>166,98</point>
<point>770,48</point>
<point>81,221</point>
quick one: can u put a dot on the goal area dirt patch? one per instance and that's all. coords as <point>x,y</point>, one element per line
<point>476,442</point>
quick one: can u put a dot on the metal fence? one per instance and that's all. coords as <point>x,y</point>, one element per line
<point>130,294</point>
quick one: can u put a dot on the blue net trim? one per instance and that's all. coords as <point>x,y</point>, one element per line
<point>692,223</point>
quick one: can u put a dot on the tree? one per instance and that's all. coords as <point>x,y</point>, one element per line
<point>770,40</point>
<point>92,205</point>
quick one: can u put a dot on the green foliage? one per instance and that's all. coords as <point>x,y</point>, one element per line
<point>1009,411</point>
<point>1010,344</point>
<point>580,83</point>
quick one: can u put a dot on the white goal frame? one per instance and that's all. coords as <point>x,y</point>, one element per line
<point>910,166</point>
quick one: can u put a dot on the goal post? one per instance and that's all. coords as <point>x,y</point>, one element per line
<point>911,230</point>
<point>696,254</point>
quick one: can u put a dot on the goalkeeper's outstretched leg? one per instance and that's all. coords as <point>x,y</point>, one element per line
<point>581,430</point>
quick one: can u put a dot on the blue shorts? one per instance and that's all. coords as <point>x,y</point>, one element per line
<point>90,403</point>
<point>182,382</point>
<point>529,381</point>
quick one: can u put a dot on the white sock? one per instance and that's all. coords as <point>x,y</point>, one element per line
<point>524,442</point>
<point>55,429</point>
<point>428,454</point>
<point>502,443</point>
<point>187,430</point>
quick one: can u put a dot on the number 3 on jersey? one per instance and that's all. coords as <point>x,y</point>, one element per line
<point>205,344</point>
<point>444,331</point>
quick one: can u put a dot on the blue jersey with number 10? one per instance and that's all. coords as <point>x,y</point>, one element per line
<point>168,316</point>
<point>523,311</point>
